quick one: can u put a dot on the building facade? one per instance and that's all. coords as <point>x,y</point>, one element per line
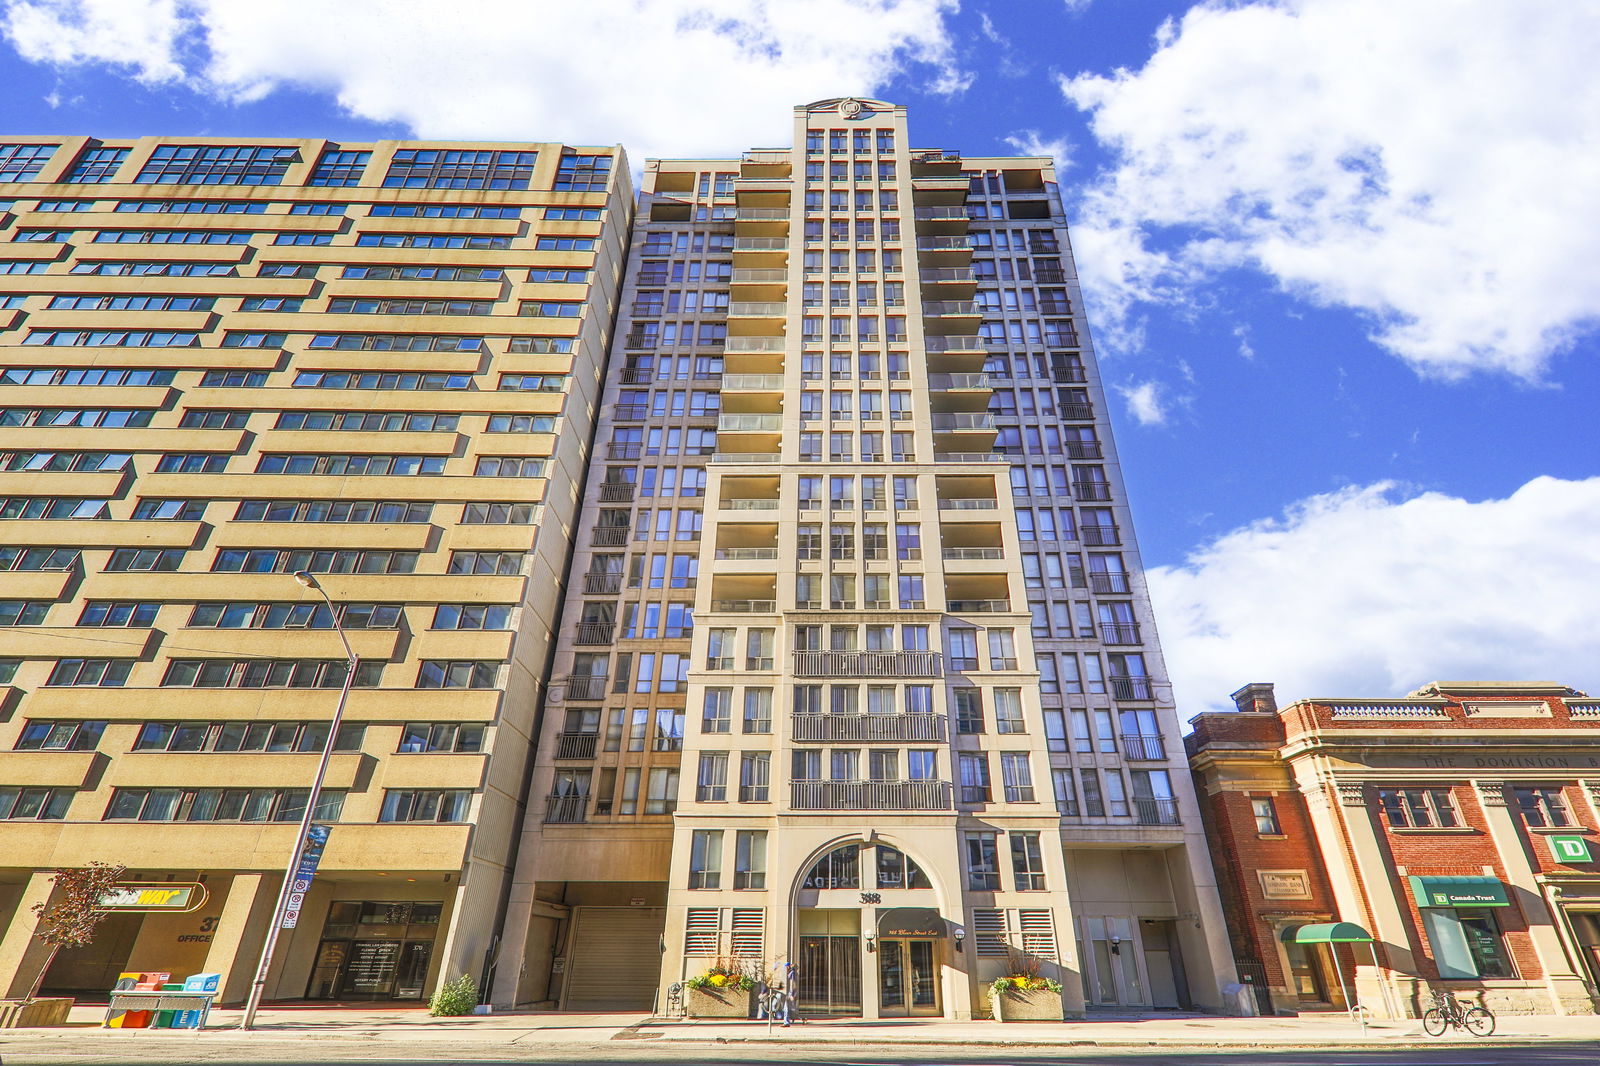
<point>225,362</point>
<point>1458,828</point>
<point>857,671</point>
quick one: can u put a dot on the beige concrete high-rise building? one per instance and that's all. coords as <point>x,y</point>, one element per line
<point>857,671</point>
<point>222,362</point>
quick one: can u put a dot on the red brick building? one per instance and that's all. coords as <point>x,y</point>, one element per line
<point>1459,827</point>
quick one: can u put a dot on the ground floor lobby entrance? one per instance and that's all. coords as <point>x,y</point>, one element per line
<point>834,955</point>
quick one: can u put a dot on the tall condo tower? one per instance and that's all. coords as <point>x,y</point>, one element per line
<point>856,670</point>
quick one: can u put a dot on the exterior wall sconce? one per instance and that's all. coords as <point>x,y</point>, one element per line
<point>960,935</point>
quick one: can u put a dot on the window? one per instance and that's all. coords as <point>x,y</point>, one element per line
<point>96,165</point>
<point>112,338</point>
<point>103,613</point>
<point>469,673</point>
<point>839,868</point>
<point>90,673</point>
<point>969,709</point>
<point>711,785</point>
<point>339,168</point>
<point>246,736</point>
<point>337,511</point>
<point>59,735</point>
<point>581,173</point>
<point>328,379</point>
<point>439,169</point>
<point>983,862</point>
<point>486,562</point>
<point>757,710</point>
<point>755,773</point>
<point>347,561</point>
<point>368,421</point>
<point>661,796</point>
<point>23,612</point>
<point>23,162</point>
<point>750,858</point>
<point>351,465</point>
<point>1418,808</point>
<point>353,306</point>
<point>1467,943</point>
<point>974,768</point>
<point>34,803</point>
<point>1008,711</point>
<point>1265,813</point>
<point>1016,775</point>
<point>472,616</point>
<point>1027,864</point>
<point>219,805</point>
<point>1542,807</point>
<point>268,673</point>
<point>38,558</point>
<point>431,240</point>
<point>425,805</point>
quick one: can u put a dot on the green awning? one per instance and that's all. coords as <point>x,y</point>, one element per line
<point>1327,933</point>
<point>1458,892</point>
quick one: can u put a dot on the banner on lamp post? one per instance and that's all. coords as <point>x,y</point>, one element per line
<point>304,871</point>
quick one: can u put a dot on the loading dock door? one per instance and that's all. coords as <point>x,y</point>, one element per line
<point>614,958</point>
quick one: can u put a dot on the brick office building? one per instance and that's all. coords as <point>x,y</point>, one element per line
<point>1457,827</point>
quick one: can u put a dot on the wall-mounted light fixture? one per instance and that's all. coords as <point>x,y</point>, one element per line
<point>960,935</point>
<point>1116,945</point>
<point>872,941</point>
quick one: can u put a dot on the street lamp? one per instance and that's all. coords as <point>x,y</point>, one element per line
<point>258,986</point>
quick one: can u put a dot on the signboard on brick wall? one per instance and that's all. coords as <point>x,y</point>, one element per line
<point>1568,848</point>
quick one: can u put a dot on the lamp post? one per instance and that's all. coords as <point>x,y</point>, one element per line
<point>258,986</point>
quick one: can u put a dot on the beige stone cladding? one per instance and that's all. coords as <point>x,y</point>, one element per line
<point>222,362</point>
<point>856,672</point>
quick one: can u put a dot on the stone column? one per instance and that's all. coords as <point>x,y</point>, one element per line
<point>1362,869</point>
<point>20,954</point>
<point>1565,986</point>
<point>241,929</point>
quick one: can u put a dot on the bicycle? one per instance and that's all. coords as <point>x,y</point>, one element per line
<point>1447,1012</point>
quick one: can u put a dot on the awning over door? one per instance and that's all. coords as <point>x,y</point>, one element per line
<point>1458,892</point>
<point>912,922</point>
<point>1327,933</point>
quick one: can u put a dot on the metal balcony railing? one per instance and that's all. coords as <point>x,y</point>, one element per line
<point>624,451</point>
<point>616,492</point>
<point>869,795</point>
<point>602,584</point>
<point>761,214</point>
<point>752,382</point>
<point>1100,536</point>
<point>869,728</point>
<point>738,554</point>
<point>565,809</point>
<point>750,503</point>
<point>630,412</point>
<point>761,244</point>
<point>1119,633</point>
<point>941,214</point>
<point>958,381</point>
<point>760,277</point>
<point>963,421</point>
<point>962,554</point>
<point>1143,746</point>
<point>748,309</point>
<point>1107,583</point>
<point>744,606</point>
<point>609,536</point>
<point>939,274</point>
<point>749,423</point>
<point>938,344</point>
<point>1091,490</point>
<point>866,664</point>
<point>968,503</point>
<point>1131,688</point>
<point>734,345</point>
<point>576,745</point>
<point>950,307</point>
<point>744,457</point>
<point>1064,375</point>
<point>980,606</point>
<point>594,632</point>
<point>1155,811</point>
<point>1077,412</point>
<point>586,687</point>
<point>944,244</point>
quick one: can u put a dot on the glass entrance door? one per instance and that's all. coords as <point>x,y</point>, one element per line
<point>908,978</point>
<point>830,974</point>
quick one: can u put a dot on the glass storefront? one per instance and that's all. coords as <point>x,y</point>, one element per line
<point>375,950</point>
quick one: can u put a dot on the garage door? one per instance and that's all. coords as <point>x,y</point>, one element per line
<point>614,958</point>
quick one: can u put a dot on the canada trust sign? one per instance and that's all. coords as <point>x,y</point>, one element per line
<point>1477,762</point>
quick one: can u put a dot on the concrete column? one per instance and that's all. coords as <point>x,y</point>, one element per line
<point>1565,985</point>
<point>1382,913</point>
<point>1202,930</point>
<point>20,954</point>
<point>241,929</point>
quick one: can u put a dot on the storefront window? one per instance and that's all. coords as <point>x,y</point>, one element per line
<point>1467,943</point>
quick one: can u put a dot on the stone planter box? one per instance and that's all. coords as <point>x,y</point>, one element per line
<point>1032,1005</point>
<point>718,1003</point>
<point>33,1013</point>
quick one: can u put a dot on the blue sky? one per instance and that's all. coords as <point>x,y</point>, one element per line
<point>1340,253</point>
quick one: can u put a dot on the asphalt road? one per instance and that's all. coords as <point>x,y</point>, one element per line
<point>315,1050</point>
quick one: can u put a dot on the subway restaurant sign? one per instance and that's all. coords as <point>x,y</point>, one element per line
<point>155,896</point>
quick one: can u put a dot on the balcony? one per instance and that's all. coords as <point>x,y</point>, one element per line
<point>949,382</point>
<point>585,687</point>
<point>744,606</point>
<point>1143,746</point>
<point>870,728</point>
<point>1155,811</point>
<point>1131,688</point>
<point>1084,449</point>
<point>951,307</point>
<point>963,423</point>
<point>565,810</point>
<point>751,309</point>
<point>1124,633</point>
<point>752,383</point>
<point>1091,490</point>
<point>744,457</point>
<point>624,451</point>
<point>749,423</point>
<point>746,554</point>
<point>1108,584</point>
<point>866,664</point>
<point>609,536</point>
<point>761,244</point>
<point>869,795</point>
<point>974,503</point>
<point>630,412</point>
<point>949,275</point>
<point>1100,536</point>
<point>953,344</point>
<point>616,492</point>
<point>979,606</point>
<point>576,746</point>
<point>594,632</point>
<point>1077,412</point>
<point>750,504</point>
<point>602,584</point>
<point>760,277</point>
<point>761,214</point>
<point>969,554</point>
<point>737,345</point>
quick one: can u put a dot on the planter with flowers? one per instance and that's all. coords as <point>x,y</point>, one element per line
<point>1026,998</point>
<point>723,991</point>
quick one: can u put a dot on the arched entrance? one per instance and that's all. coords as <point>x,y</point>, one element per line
<point>870,939</point>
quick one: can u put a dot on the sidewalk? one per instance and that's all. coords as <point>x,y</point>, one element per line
<point>1119,1030</point>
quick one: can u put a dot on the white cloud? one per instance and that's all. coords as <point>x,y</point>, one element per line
<point>1032,142</point>
<point>605,71</point>
<point>1429,164</point>
<point>1145,402</point>
<point>1369,592</point>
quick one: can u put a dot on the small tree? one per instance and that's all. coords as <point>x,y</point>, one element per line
<point>71,921</point>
